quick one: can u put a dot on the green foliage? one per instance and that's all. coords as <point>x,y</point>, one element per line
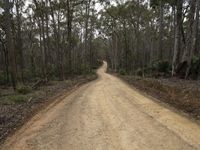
<point>14,99</point>
<point>161,66</point>
<point>28,74</point>
<point>23,89</point>
<point>2,79</point>
<point>154,3</point>
<point>1,4</point>
<point>195,68</point>
<point>18,99</point>
<point>139,72</point>
<point>196,63</point>
<point>53,73</point>
<point>97,64</point>
<point>157,68</point>
<point>85,69</point>
<point>122,71</point>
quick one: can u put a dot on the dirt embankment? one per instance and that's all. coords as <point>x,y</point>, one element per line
<point>181,94</point>
<point>16,109</point>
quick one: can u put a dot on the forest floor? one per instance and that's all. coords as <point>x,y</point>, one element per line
<point>16,108</point>
<point>107,114</point>
<point>184,95</point>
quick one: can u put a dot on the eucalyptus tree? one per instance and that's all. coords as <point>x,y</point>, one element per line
<point>19,44</point>
<point>10,41</point>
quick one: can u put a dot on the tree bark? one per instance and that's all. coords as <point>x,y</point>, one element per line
<point>10,44</point>
<point>161,31</point>
<point>177,43</point>
<point>69,37</point>
<point>196,39</point>
<point>188,52</point>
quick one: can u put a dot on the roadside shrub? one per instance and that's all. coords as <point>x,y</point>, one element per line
<point>13,99</point>
<point>53,72</point>
<point>139,72</point>
<point>156,69</point>
<point>84,69</point>
<point>161,66</point>
<point>28,74</point>
<point>97,64</point>
<point>148,70</point>
<point>195,68</point>
<point>18,99</point>
<point>122,72</point>
<point>2,79</point>
<point>23,89</point>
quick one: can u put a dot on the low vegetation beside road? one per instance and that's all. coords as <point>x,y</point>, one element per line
<point>181,94</point>
<point>16,107</point>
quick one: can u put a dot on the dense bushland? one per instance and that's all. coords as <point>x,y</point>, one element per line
<point>153,38</point>
<point>47,40</point>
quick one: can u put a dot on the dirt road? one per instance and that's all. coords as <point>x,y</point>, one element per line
<point>107,114</point>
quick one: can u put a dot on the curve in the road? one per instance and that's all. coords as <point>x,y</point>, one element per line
<point>107,114</point>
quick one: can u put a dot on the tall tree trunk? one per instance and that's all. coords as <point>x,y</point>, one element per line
<point>90,41</point>
<point>138,55</point>
<point>47,33</point>
<point>10,44</point>
<point>41,45</point>
<point>126,47</point>
<point>60,52</point>
<point>196,39</point>
<point>19,41</point>
<point>87,11</point>
<point>57,42</point>
<point>161,31</point>
<point>5,58</point>
<point>188,52</point>
<point>33,69</point>
<point>69,37</point>
<point>177,43</point>
<point>44,49</point>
